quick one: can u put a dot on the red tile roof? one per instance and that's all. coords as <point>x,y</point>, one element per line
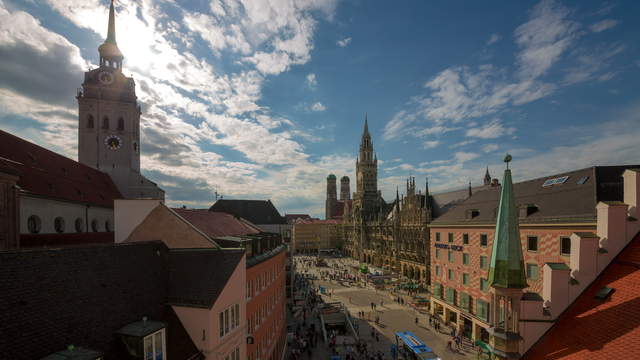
<point>317,221</point>
<point>600,329</point>
<point>45,173</point>
<point>215,224</point>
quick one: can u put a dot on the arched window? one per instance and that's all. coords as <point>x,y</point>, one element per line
<point>94,225</point>
<point>107,226</point>
<point>105,123</point>
<point>34,224</point>
<point>90,122</point>
<point>58,224</point>
<point>135,146</point>
<point>121,124</point>
<point>79,225</point>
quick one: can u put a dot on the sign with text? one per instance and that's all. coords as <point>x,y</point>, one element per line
<point>449,247</point>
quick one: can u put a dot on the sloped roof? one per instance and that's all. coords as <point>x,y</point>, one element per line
<point>81,296</point>
<point>44,173</point>
<point>258,212</point>
<point>197,277</point>
<point>599,329</point>
<point>215,224</point>
<point>569,201</point>
<point>293,217</point>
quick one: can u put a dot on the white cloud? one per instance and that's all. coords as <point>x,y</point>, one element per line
<point>544,38</point>
<point>317,107</point>
<point>490,148</point>
<point>494,38</point>
<point>491,130</point>
<point>312,82</point>
<point>603,25</point>
<point>344,42</point>
<point>462,157</point>
<point>462,143</point>
<point>431,144</point>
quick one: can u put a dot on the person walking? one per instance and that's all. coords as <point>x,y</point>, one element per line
<point>416,320</point>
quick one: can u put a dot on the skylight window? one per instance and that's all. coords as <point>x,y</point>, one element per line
<point>582,180</point>
<point>555,181</point>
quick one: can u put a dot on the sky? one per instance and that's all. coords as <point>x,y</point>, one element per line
<point>263,99</point>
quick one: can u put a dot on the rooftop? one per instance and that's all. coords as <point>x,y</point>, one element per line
<point>592,328</point>
<point>215,224</point>
<point>570,196</point>
<point>44,173</point>
<point>259,212</point>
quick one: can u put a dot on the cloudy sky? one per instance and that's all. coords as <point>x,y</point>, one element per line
<point>263,99</point>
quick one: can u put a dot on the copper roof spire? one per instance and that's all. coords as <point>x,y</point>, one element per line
<point>111,31</point>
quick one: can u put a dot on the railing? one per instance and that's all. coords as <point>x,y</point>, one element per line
<point>266,255</point>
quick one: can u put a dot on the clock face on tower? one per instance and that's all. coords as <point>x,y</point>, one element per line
<point>105,77</point>
<point>113,142</point>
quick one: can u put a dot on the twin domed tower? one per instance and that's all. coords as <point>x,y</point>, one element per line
<point>334,208</point>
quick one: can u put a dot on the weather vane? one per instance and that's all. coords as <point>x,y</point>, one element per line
<point>507,159</point>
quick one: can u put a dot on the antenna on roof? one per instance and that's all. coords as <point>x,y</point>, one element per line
<point>216,193</point>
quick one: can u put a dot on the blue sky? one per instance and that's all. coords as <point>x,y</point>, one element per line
<point>263,99</point>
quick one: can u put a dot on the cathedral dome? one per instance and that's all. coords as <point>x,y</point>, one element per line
<point>331,177</point>
<point>344,179</point>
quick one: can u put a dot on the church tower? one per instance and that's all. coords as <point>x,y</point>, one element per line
<point>109,122</point>
<point>332,197</point>
<point>366,197</point>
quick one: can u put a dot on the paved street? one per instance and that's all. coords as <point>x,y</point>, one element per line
<point>393,317</point>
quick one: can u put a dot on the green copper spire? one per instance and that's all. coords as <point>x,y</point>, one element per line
<point>111,31</point>
<point>507,264</point>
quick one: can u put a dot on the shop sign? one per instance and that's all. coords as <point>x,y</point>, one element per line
<point>449,247</point>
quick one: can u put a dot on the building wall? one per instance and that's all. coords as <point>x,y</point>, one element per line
<point>309,237</point>
<point>203,325</point>
<point>266,315</point>
<point>548,251</point>
<point>48,209</point>
<point>9,212</point>
<point>128,214</point>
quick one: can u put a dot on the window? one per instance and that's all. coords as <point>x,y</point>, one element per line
<point>483,262</point>
<point>34,224</point>
<point>483,240</point>
<point>94,225</point>
<point>565,246</point>
<point>452,276</point>
<point>437,270</point>
<point>450,237</point>
<point>482,310</point>
<point>154,346</point>
<point>105,123</point>
<point>437,253</point>
<point>484,284</point>
<point>450,256</point>
<point>221,322</point>
<point>450,296</point>
<point>465,279</point>
<point>464,301</point>
<point>465,239</point>
<point>437,290</point>
<point>58,224</point>
<point>237,315</point>
<point>226,321</point>
<point>121,124</point>
<point>90,124</point>
<point>79,224</point>
<point>107,226</point>
<point>437,236</point>
<point>532,271</point>
<point>465,259</point>
<point>532,243</point>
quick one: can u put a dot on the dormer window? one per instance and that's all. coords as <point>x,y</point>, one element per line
<point>472,213</point>
<point>145,339</point>
<point>527,209</point>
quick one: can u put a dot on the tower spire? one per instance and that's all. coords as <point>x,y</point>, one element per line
<point>111,31</point>
<point>366,125</point>
<point>507,263</point>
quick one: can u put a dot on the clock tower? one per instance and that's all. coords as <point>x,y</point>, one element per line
<point>109,122</point>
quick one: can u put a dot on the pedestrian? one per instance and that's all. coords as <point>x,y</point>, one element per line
<point>416,320</point>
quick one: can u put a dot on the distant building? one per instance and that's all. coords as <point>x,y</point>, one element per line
<point>311,235</point>
<point>262,213</point>
<point>334,208</point>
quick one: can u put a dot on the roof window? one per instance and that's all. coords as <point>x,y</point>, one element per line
<point>582,180</point>
<point>472,213</point>
<point>555,181</point>
<point>528,209</point>
<point>144,338</point>
<point>604,293</point>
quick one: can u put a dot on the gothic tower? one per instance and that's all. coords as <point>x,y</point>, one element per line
<point>332,197</point>
<point>366,198</point>
<point>487,178</point>
<point>345,189</point>
<point>109,121</point>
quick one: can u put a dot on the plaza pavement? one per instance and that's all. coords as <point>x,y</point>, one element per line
<point>393,317</point>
